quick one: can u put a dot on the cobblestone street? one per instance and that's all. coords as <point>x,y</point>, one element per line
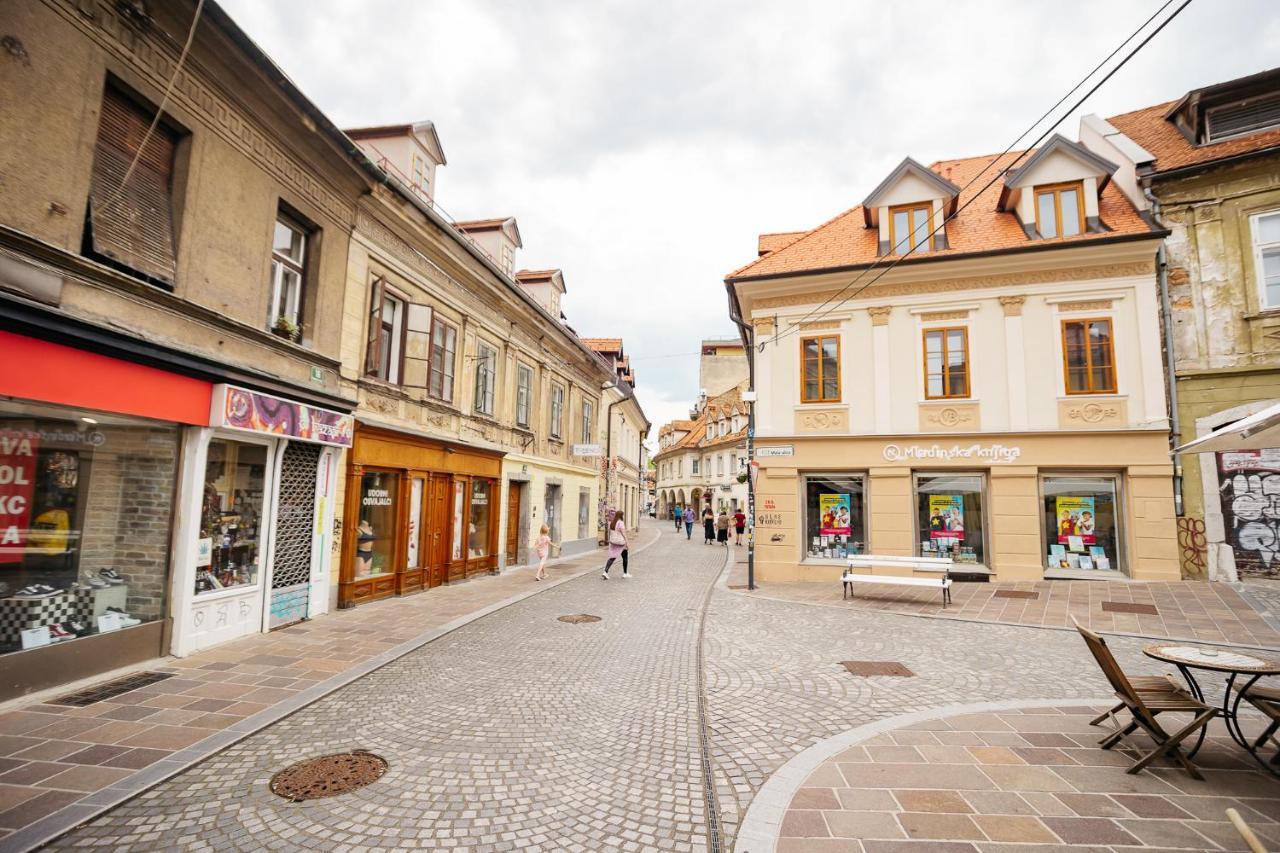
<point>519,731</point>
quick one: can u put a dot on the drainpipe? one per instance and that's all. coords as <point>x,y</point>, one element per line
<point>1171,382</point>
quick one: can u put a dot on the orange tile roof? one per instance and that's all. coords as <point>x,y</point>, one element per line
<point>604,344</point>
<point>482,224</point>
<point>846,241</point>
<point>775,241</point>
<point>1149,128</point>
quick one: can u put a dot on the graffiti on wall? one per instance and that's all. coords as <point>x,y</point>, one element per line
<point>1249,492</point>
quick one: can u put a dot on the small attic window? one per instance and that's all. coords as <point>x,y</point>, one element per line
<point>1060,210</point>
<point>909,227</point>
<point>1242,117</point>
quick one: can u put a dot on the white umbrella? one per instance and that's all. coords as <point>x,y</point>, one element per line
<point>1257,432</point>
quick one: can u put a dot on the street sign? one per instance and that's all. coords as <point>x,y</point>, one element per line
<point>777,450</point>
<point>587,450</point>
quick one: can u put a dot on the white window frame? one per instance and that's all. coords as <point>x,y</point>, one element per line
<point>557,410</point>
<point>694,471</point>
<point>486,377</point>
<point>587,412</point>
<point>279,264</point>
<point>524,394</point>
<point>1259,249</point>
<point>447,343</point>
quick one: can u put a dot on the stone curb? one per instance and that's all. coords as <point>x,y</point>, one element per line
<point>760,826</point>
<point>947,618</point>
<point>49,829</point>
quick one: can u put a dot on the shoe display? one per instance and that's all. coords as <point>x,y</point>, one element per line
<point>126,621</point>
<point>94,582</point>
<point>78,629</point>
<point>111,576</point>
<point>36,590</point>
<point>57,634</point>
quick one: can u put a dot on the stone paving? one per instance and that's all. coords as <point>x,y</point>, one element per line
<point>1187,610</point>
<point>517,731</point>
<point>981,782</point>
<point>58,757</point>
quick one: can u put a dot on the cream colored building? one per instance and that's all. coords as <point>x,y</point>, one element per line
<point>622,434</point>
<point>702,462</point>
<point>990,388</point>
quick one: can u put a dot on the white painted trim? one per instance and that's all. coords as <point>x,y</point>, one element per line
<point>763,821</point>
<point>1086,296</point>
<point>943,307</point>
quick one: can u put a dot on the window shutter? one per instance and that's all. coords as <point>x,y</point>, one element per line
<point>134,225</point>
<point>372,353</point>
<point>417,345</point>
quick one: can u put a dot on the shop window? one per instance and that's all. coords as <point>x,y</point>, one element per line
<point>820,380</point>
<point>478,527</point>
<point>584,513</point>
<point>1081,522</point>
<point>413,533</point>
<point>524,394</point>
<point>486,377</point>
<point>376,533</point>
<point>949,509</point>
<point>557,410</point>
<point>946,363</point>
<point>459,517</point>
<point>231,516</point>
<point>288,255</point>
<point>1265,228</point>
<point>909,228</point>
<point>130,225</point>
<point>1060,210</point>
<point>1088,357</point>
<point>444,345</point>
<point>835,516</point>
<point>85,508</point>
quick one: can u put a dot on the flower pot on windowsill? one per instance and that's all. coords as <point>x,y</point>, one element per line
<point>285,328</point>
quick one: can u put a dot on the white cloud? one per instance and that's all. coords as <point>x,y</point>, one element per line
<point>644,146</point>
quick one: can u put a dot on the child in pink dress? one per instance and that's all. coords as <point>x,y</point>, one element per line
<point>543,548</point>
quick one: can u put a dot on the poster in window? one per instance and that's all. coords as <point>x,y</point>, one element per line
<point>1076,521</point>
<point>18,449</point>
<point>946,516</point>
<point>837,519</point>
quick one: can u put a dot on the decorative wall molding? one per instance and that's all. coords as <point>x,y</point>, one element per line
<point>934,417</point>
<point>1012,305</point>
<point>819,324</point>
<point>1093,305</point>
<point>1108,412</point>
<point>952,285</point>
<point>935,316</point>
<point>822,421</point>
<point>880,314</point>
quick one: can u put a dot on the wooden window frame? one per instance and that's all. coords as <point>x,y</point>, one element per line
<point>1056,190</point>
<point>489,393</point>
<point>523,370</point>
<point>1111,351</point>
<point>379,291</point>
<point>433,370</point>
<point>946,376</point>
<point>839,379</point>
<point>911,210</point>
<point>557,402</point>
<point>280,262</point>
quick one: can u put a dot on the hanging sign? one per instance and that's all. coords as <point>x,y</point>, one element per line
<point>252,411</point>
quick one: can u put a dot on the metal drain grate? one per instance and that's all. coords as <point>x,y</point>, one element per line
<point>868,668</point>
<point>1015,593</point>
<point>1130,607</point>
<point>328,776</point>
<point>579,618</point>
<point>111,689</point>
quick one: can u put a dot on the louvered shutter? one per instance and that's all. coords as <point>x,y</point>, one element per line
<point>133,226</point>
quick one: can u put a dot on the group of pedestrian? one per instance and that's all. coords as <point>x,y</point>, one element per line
<point>715,526</point>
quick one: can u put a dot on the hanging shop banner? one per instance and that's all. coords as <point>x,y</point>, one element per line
<point>836,518</point>
<point>1076,522</point>
<point>251,411</point>
<point>946,516</point>
<point>18,449</point>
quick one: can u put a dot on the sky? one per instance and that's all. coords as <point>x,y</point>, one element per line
<point>643,146</point>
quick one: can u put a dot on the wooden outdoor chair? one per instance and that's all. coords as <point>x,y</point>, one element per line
<point>1144,706</point>
<point>1266,700</point>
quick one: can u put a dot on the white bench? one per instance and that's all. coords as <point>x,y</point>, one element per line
<point>919,564</point>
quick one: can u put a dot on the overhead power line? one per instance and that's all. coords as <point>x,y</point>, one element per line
<point>818,312</point>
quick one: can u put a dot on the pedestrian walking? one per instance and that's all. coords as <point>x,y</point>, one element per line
<point>739,526</point>
<point>679,518</point>
<point>543,548</point>
<point>708,525</point>
<point>688,522</point>
<point>617,547</point>
<point>722,528</point>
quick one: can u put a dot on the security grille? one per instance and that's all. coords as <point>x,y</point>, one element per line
<point>291,567</point>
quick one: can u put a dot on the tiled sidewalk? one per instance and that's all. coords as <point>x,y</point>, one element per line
<point>60,764</point>
<point>975,783</point>
<point>1184,610</point>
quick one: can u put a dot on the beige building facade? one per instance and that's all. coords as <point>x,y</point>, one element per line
<point>996,397</point>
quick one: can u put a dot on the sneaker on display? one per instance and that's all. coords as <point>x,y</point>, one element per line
<point>111,576</point>
<point>57,634</point>
<point>126,621</point>
<point>79,629</point>
<point>94,582</point>
<point>36,590</point>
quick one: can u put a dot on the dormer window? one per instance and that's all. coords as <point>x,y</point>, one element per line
<point>1060,210</point>
<point>909,228</point>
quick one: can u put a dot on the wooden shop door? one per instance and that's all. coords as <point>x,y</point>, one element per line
<point>513,523</point>
<point>438,531</point>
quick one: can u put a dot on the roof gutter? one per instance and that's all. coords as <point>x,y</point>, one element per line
<point>1184,171</point>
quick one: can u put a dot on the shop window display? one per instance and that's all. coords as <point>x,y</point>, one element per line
<point>229,550</point>
<point>376,533</point>
<point>1081,529</point>
<point>85,504</point>
<point>478,529</point>
<point>949,510</point>
<point>835,516</point>
<point>459,504</point>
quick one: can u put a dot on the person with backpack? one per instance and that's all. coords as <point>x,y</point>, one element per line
<point>617,546</point>
<point>679,517</point>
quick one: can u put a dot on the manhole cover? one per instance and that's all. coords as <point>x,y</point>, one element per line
<point>868,668</point>
<point>1015,593</point>
<point>579,618</point>
<point>1130,607</point>
<point>328,776</point>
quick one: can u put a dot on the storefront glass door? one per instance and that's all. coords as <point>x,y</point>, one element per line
<point>376,534</point>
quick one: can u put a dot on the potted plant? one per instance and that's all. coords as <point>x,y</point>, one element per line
<point>286,328</point>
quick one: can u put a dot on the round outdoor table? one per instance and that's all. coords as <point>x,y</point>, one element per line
<point>1234,665</point>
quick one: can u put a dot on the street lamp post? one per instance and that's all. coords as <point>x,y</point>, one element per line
<point>750,397</point>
